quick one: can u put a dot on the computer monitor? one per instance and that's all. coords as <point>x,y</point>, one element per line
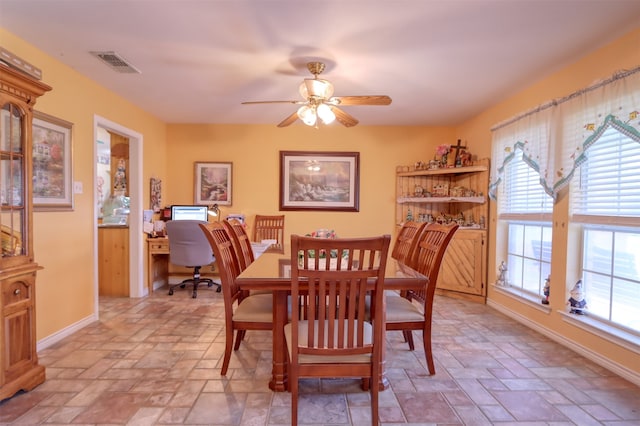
<point>189,213</point>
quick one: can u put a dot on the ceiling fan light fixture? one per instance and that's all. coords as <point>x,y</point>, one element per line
<point>308,115</point>
<point>320,104</point>
<point>316,87</point>
<point>325,113</point>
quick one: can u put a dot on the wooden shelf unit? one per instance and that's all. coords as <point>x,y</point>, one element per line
<point>19,368</point>
<point>463,272</point>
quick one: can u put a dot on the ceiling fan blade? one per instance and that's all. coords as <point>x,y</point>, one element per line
<point>274,102</point>
<point>289,120</point>
<point>345,119</point>
<point>362,100</point>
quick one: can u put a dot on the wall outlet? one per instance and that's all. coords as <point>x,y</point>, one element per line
<point>77,187</point>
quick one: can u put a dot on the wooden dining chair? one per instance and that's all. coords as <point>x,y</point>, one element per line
<point>241,242</point>
<point>402,313</point>
<point>269,228</point>
<point>242,312</point>
<point>329,334</point>
<point>406,240</point>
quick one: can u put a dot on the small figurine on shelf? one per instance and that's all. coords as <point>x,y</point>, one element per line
<point>502,274</point>
<point>465,158</point>
<point>577,300</point>
<point>409,215</point>
<point>120,177</point>
<point>442,152</point>
<point>546,290</point>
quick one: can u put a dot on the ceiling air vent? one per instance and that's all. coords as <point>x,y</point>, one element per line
<point>116,62</point>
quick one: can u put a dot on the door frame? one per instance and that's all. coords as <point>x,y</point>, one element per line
<point>134,177</point>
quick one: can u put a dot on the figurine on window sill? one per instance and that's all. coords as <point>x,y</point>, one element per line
<point>546,290</point>
<point>502,274</point>
<point>577,300</point>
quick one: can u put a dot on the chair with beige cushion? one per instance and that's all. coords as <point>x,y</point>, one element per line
<point>269,228</point>
<point>329,334</point>
<point>403,313</point>
<point>407,240</point>
<point>241,242</point>
<point>242,312</point>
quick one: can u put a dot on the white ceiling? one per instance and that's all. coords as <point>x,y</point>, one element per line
<point>441,61</point>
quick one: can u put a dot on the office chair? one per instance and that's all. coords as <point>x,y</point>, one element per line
<point>189,247</point>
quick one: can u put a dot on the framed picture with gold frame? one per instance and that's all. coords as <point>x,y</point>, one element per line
<point>213,183</point>
<point>319,180</point>
<point>52,163</point>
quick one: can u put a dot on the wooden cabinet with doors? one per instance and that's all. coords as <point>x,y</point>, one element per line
<point>19,368</point>
<point>452,194</point>
<point>113,261</point>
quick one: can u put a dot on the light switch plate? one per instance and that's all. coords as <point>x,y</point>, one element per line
<point>77,187</point>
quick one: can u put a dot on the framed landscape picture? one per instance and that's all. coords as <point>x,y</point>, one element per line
<point>319,180</point>
<point>52,163</point>
<point>213,183</point>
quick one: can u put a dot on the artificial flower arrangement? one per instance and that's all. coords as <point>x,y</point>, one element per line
<point>442,150</point>
<point>325,233</point>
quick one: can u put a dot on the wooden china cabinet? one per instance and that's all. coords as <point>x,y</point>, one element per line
<point>452,194</point>
<point>19,369</point>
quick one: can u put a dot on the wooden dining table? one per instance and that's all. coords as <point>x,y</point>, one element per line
<point>272,271</point>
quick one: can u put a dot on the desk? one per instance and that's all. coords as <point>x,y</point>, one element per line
<point>271,271</point>
<point>159,268</point>
<point>157,261</point>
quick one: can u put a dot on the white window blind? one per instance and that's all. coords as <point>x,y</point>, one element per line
<point>609,180</point>
<point>523,193</point>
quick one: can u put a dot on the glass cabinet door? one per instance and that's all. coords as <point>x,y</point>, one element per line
<point>12,175</point>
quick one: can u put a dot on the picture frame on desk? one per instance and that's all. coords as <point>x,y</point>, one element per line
<point>213,183</point>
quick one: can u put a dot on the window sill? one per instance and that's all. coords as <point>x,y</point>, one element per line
<point>523,296</point>
<point>592,325</point>
<point>601,329</point>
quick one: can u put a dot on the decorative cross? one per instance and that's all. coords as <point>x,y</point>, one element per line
<point>457,147</point>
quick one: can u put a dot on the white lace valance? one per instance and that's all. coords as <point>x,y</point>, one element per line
<point>554,136</point>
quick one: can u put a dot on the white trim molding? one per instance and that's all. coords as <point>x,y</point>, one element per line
<point>588,353</point>
<point>66,332</point>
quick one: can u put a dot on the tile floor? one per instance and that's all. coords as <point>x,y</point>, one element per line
<point>156,360</point>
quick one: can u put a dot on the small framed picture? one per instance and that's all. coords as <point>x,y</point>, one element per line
<point>52,163</point>
<point>213,183</point>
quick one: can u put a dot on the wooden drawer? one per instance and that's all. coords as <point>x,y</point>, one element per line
<point>15,291</point>
<point>159,245</point>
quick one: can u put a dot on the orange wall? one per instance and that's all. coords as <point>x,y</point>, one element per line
<point>64,241</point>
<point>254,152</point>
<point>624,53</point>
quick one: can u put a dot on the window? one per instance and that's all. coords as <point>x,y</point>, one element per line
<point>606,205</point>
<point>529,255</point>
<point>526,210</point>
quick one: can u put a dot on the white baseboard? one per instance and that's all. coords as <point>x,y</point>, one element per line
<point>65,332</point>
<point>588,353</point>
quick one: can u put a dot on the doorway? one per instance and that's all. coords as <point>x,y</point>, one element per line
<point>134,177</point>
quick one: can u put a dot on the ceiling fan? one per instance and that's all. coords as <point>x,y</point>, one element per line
<point>319,104</point>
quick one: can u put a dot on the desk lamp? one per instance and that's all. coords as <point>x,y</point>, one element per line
<point>214,210</point>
